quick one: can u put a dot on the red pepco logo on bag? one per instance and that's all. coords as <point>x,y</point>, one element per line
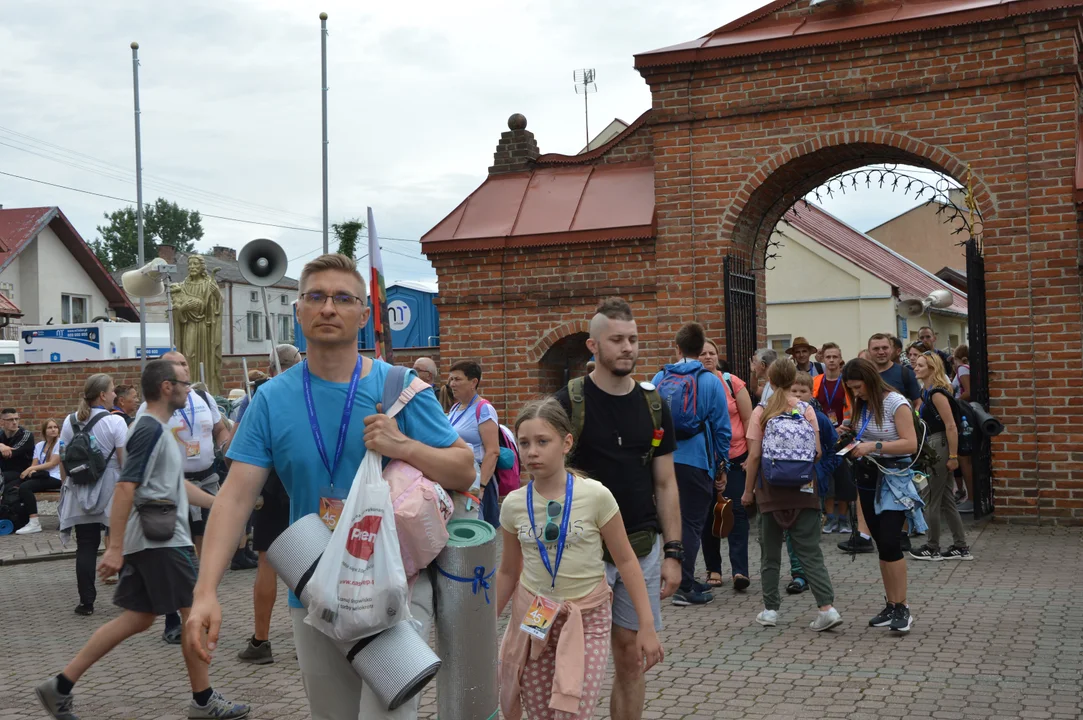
<point>362,540</point>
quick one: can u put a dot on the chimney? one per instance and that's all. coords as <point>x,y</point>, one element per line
<point>168,253</point>
<point>224,253</point>
<point>517,149</point>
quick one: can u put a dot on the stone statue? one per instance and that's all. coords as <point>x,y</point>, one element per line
<point>197,322</point>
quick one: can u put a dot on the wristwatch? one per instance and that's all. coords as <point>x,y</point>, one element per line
<point>879,446</point>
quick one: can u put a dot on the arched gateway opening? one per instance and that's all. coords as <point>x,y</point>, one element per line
<point>795,182</point>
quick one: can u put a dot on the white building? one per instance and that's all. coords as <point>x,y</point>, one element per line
<point>245,329</point>
<point>50,274</point>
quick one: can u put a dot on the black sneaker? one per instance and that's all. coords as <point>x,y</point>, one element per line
<point>926,552</point>
<point>885,617</point>
<point>691,597</point>
<point>81,609</point>
<point>797,586</point>
<point>242,561</point>
<point>902,620</point>
<point>957,552</point>
<point>857,544</point>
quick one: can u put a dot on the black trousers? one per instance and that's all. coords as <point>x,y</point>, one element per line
<point>40,481</point>
<point>87,539</point>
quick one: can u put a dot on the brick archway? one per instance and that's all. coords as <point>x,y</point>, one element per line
<point>553,336</point>
<point>786,177</point>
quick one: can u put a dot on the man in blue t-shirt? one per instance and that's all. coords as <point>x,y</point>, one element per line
<point>313,424</point>
<point>897,376</point>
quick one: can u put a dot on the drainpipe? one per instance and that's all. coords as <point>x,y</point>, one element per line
<point>230,317</point>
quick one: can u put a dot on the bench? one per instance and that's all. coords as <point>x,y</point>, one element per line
<point>48,496</point>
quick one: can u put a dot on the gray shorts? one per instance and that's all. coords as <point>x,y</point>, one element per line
<point>624,612</point>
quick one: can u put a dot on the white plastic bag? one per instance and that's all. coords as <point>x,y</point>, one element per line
<point>359,586</point>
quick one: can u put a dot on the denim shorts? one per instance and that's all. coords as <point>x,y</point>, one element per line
<point>624,611</point>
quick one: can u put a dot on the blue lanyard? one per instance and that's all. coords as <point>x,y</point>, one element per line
<point>553,570</point>
<point>831,397</point>
<point>192,407</point>
<point>455,420</point>
<point>866,416</point>
<point>314,421</point>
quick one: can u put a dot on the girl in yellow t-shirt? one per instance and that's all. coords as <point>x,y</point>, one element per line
<point>556,647</point>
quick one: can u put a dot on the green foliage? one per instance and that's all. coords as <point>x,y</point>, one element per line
<point>164,223</point>
<point>346,233</point>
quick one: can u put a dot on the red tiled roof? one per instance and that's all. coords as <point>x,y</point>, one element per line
<point>550,206</point>
<point>860,249</point>
<point>760,32</point>
<point>8,308</point>
<point>19,226</point>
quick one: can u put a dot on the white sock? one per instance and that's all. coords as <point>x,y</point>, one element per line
<point>864,536</point>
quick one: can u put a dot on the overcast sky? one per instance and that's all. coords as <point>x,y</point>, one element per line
<point>230,94</point>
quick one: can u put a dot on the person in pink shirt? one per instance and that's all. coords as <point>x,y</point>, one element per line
<point>740,407</point>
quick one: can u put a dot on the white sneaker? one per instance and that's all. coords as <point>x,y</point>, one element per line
<point>768,618</point>
<point>34,526</point>
<point>826,620</point>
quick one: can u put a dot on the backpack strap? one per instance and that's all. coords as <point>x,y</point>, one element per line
<point>477,410</point>
<point>729,383</point>
<point>579,406</point>
<point>90,426</point>
<point>394,385</point>
<point>654,403</point>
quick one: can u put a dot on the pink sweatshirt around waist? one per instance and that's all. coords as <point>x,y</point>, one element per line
<point>517,647</point>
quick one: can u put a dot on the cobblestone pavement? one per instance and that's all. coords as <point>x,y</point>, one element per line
<point>995,638</point>
<point>46,544</point>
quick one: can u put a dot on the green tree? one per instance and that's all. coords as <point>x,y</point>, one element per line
<point>346,233</point>
<point>164,222</point>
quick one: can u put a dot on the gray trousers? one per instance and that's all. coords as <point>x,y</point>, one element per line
<point>805,539</point>
<point>940,497</point>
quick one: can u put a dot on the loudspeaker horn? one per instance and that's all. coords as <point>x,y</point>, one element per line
<point>262,262</point>
<point>940,298</point>
<point>147,281</point>
<point>936,299</point>
<point>912,308</point>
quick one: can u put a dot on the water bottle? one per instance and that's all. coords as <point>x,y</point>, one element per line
<point>94,444</point>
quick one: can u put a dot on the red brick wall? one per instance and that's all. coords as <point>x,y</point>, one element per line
<point>737,142</point>
<point>52,390</point>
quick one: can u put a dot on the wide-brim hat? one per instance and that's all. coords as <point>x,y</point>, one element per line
<point>800,342</point>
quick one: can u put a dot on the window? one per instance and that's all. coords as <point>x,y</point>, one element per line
<point>254,296</point>
<point>255,326</point>
<point>7,290</point>
<point>285,300</point>
<point>778,343</point>
<point>953,341</point>
<point>74,309</point>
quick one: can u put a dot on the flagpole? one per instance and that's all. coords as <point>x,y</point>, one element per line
<point>323,62</point>
<point>139,207</point>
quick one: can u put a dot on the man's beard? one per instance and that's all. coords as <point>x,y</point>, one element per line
<point>611,366</point>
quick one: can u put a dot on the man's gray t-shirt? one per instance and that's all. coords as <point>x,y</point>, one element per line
<point>154,463</point>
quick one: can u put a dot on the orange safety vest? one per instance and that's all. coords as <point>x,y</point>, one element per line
<point>817,383</point>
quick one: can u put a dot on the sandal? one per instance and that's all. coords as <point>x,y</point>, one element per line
<point>740,582</point>
<point>714,579</point>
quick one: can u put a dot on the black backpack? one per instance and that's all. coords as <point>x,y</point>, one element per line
<point>83,459</point>
<point>13,508</point>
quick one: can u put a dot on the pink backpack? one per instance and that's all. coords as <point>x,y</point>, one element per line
<point>422,507</point>
<point>508,479</point>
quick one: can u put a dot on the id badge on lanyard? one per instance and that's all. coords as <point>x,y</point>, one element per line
<point>866,417</point>
<point>545,608</point>
<point>332,499</point>
<point>191,447</point>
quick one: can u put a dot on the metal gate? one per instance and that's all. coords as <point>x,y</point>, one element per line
<point>982,458</point>
<point>740,288</point>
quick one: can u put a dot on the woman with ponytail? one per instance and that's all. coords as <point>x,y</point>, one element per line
<point>86,507</point>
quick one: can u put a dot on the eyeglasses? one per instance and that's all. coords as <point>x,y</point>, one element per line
<point>317,299</point>
<point>185,383</point>
<point>551,531</point>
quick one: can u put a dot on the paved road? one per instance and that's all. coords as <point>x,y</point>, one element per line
<point>995,638</point>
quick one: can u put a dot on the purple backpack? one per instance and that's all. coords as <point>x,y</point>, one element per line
<point>789,450</point>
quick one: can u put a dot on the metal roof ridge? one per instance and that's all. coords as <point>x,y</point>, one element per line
<point>555,159</point>
<point>880,245</point>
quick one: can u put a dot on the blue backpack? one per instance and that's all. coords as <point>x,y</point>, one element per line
<point>681,393</point>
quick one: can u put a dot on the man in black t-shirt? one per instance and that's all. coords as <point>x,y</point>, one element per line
<point>16,447</point>
<point>615,447</point>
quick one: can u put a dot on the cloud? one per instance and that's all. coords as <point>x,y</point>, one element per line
<point>230,92</point>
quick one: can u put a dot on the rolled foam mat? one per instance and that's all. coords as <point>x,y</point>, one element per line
<point>396,664</point>
<point>296,551</point>
<point>466,637</point>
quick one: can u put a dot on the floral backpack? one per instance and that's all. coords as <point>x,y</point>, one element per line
<point>789,449</point>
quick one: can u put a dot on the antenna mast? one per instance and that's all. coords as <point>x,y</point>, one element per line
<point>584,85</point>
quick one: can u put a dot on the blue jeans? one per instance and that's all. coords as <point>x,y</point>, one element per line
<point>738,537</point>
